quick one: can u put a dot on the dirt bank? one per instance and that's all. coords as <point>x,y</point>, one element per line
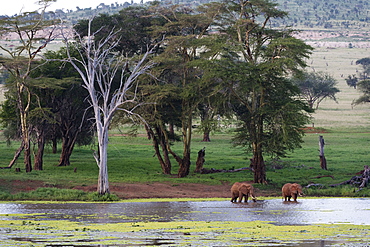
<point>143,190</point>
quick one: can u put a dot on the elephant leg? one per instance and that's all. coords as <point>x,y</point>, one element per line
<point>295,197</point>
<point>246,198</point>
<point>241,195</point>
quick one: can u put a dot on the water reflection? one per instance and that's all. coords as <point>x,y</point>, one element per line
<point>306,211</point>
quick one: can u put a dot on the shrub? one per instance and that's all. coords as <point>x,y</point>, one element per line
<point>346,190</point>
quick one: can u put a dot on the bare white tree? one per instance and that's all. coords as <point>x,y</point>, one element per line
<point>98,65</point>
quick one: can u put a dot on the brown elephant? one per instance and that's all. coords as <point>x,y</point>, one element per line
<point>242,190</point>
<point>291,191</point>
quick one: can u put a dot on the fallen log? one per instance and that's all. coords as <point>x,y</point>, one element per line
<point>365,177</point>
<point>213,170</point>
<point>324,176</point>
<point>314,185</point>
<point>360,181</point>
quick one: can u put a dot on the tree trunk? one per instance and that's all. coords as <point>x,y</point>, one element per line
<point>54,145</point>
<point>259,167</point>
<point>67,149</point>
<point>206,137</point>
<point>38,166</point>
<point>159,139</point>
<point>206,116</point>
<point>54,140</point>
<point>163,161</point>
<point>27,156</point>
<point>322,156</point>
<point>184,167</point>
<point>16,155</point>
<point>186,135</point>
<point>23,110</point>
<point>163,142</point>
<point>171,131</point>
<point>103,184</point>
<point>200,160</point>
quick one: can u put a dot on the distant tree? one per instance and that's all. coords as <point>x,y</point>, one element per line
<point>364,87</point>
<point>365,62</point>
<point>363,84</point>
<point>315,87</point>
<point>352,81</point>
<point>208,112</point>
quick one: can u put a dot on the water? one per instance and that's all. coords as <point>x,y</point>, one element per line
<point>306,211</point>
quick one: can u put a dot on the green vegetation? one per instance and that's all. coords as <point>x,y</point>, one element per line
<point>131,161</point>
<point>308,14</point>
<point>183,233</point>
<point>54,194</point>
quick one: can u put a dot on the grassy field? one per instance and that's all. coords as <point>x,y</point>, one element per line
<point>340,62</point>
<point>131,159</point>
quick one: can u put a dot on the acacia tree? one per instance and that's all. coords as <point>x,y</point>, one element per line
<point>180,79</point>
<point>255,66</point>
<point>315,87</point>
<point>64,96</point>
<point>29,28</point>
<point>365,62</point>
<point>363,85</point>
<point>99,65</point>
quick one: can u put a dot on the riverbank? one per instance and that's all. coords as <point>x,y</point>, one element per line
<point>144,190</point>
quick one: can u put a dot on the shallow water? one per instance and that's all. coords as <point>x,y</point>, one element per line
<point>333,211</point>
<point>305,211</point>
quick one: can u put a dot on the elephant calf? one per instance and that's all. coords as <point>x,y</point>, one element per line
<point>242,190</point>
<point>291,191</point>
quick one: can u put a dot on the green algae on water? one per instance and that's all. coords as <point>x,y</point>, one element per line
<point>176,232</point>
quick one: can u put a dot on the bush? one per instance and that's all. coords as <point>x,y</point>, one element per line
<point>5,196</point>
<point>97,197</point>
<point>346,190</point>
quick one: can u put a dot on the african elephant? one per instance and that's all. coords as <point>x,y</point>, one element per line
<point>242,190</point>
<point>291,191</point>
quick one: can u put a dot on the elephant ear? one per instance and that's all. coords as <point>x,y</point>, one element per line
<point>294,188</point>
<point>244,189</point>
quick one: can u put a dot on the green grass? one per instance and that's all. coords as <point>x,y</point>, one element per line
<point>54,194</point>
<point>131,161</point>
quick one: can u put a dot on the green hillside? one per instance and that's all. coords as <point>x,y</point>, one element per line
<point>332,15</point>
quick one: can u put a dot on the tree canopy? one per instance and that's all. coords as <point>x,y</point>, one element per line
<point>254,66</point>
